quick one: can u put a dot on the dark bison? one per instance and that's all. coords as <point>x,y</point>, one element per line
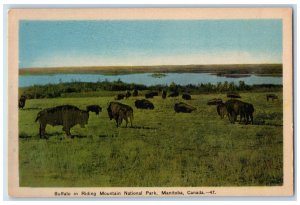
<point>183,107</point>
<point>144,104</point>
<point>151,94</point>
<point>215,101</point>
<point>271,96</point>
<point>174,94</point>
<point>120,97</point>
<point>233,95</point>
<point>135,93</point>
<point>119,111</point>
<point>127,94</point>
<point>65,115</point>
<point>164,94</point>
<point>222,110</point>
<point>94,108</point>
<point>186,96</point>
<point>237,107</point>
<point>22,101</point>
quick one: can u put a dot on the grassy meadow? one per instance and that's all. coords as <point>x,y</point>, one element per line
<point>163,148</point>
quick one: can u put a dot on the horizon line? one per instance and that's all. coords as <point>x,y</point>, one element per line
<point>97,66</point>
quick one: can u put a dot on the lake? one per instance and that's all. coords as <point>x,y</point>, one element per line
<point>145,78</point>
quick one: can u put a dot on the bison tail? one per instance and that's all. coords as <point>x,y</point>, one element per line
<point>37,118</point>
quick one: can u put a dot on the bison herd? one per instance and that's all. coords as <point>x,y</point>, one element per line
<point>69,115</point>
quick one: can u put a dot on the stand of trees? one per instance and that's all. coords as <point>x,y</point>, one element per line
<point>58,90</point>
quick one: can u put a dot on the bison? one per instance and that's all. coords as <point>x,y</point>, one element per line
<point>215,101</point>
<point>183,107</point>
<point>271,96</point>
<point>174,94</point>
<point>144,104</point>
<point>222,110</point>
<point>186,96</point>
<point>135,93</point>
<point>65,115</point>
<point>119,111</point>
<point>151,94</point>
<point>94,108</point>
<point>22,101</point>
<point>233,95</point>
<point>120,97</point>
<point>237,107</point>
<point>127,94</point>
<point>164,94</point>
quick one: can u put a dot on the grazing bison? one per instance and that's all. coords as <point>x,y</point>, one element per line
<point>222,110</point>
<point>233,95</point>
<point>120,97</point>
<point>144,104</point>
<point>119,111</point>
<point>237,107</point>
<point>151,94</point>
<point>135,93</point>
<point>22,101</point>
<point>65,115</point>
<point>186,96</point>
<point>164,94</point>
<point>183,107</point>
<point>271,96</point>
<point>127,94</point>
<point>215,101</point>
<point>174,94</point>
<point>94,108</point>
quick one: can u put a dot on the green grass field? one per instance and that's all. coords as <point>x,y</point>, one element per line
<point>163,148</point>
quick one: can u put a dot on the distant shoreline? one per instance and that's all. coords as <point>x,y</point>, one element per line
<point>220,70</point>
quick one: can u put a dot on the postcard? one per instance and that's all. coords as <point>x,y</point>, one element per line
<point>150,102</point>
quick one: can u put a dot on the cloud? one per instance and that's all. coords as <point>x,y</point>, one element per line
<point>220,57</point>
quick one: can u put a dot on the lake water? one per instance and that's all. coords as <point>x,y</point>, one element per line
<point>146,79</point>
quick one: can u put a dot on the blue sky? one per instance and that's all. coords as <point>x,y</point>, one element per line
<point>144,42</point>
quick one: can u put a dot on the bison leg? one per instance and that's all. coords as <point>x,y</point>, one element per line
<point>231,117</point>
<point>251,117</point>
<point>119,121</point>
<point>234,115</point>
<point>67,130</point>
<point>42,130</point>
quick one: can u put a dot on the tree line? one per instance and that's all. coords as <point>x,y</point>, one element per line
<point>59,90</point>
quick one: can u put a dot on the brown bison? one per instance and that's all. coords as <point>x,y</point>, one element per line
<point>65,115</point>
<point>120,97</point>
<point>243,109</point>
<point>215,101</point>
<point>144,104</point>
<point>151,94</point>
<point>174,94</point>
<point>186,96</point>
<point>135,93</point>
<point>94,108</point>
<point>222,110</point>
<point>183,107</point>
<point>233,95</point>
<point>127,94</point>
<point>119,111</point>
<point>271,96</point>
<point>164,94</point>
<point>22,101</point>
